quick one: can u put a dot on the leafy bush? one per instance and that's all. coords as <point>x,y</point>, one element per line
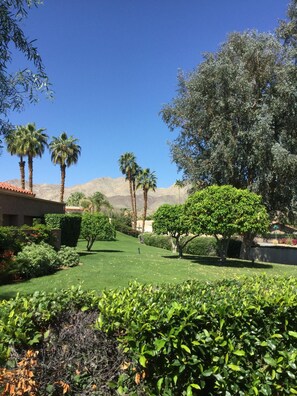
<point>160,241</point>
<point>202,246</point>
<point>11,239</point>
<point>23,319</point>
<point>9,270</point>
<point>68,256</point>
<point>38,233</point>
<point>122,223</point>
<point>96,226</point>
<point>37,260</point>
<point>229,337</point>
<point>69,225</point>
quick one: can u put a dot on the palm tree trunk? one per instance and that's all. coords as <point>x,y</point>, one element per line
<point>30,166</point>
<point>62,187</point>
<point>22,172</point>
<point>145,197</point>
<point>135,206</point>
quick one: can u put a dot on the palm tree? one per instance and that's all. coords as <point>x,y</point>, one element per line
<point>15,146</point>
<point>146,180</point>
<point>98,200</point>
<point>130,169</point>
<point>34,144</point>
<point>65,152</point>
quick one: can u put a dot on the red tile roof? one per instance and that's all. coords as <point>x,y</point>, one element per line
<point>11,187</point>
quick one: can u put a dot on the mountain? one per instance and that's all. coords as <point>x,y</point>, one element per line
<point>115,189</point>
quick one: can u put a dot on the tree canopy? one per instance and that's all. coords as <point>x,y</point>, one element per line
<point>236,117</point>
<point>223,211</point>
<point>171,220</point>
<point>25,84</point>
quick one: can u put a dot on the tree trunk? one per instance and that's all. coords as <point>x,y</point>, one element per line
<point>246,245</point>
<point>62,187</point>
<point>145,197</point>
<point>132,202</point>
<point>30,166</point>
<point>223,244</point>
<point>135,206</point>
<point>22,172</point>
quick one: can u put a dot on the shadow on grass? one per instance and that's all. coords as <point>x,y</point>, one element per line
<point>86,253</point>
<point>215,262</point>
<point>7,295</point>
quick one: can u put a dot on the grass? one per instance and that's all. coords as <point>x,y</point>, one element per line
<point>115,264</point>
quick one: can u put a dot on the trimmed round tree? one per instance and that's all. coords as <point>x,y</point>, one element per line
<point>171,220</point>
<point>223,211</point>
<point>96,226</point>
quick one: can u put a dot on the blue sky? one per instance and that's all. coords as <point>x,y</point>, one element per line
<point>113,64</point>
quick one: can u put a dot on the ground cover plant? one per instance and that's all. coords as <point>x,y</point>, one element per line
<point>113,264</point>
<point>228,337</point>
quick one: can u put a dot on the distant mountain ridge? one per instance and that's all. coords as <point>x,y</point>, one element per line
<point>115,189</point>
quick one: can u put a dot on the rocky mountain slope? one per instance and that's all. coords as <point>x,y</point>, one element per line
<point>115,189</point>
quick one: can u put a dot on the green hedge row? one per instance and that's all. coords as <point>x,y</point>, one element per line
<point>69,225</point>
<point>160,241</point>
<point>230,338</point>
<point>200,246</point>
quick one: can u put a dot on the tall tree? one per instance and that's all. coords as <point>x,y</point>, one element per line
<point>98,201</point>
<point>34,144</point>
<point>75,198</point>
<point>130,169</point>
<point>146,180</point>
<point>236,116</point>
<point>25,84</point>
<point>64,152</point>
<point>15,146</point>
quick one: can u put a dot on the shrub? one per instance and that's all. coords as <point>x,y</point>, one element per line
<point>69,225</point>
<point>11,239</point>
<point>38,233</point>
<point>96,226</point>
<point>37,260</point>
<point>232,337</point>
<point>68,256</point>
<point>160,241</point>
<point>202,246</point>
<point>9,270</point>
<point>122,223</point>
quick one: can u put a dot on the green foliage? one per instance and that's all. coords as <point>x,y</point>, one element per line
<point>96,226</point>
<point>37,234</point>
<point>25,84</point>
<point>68,256</point>
<point>69,224</point>
<point>235,114</point>
<point>171,220</point>
<point>225,211</point>
<point>75,198</point>
<point>231,337</point>
<point>11,238</point>
<point>160,241</point>
<point>122,223</point>
<point>23,319</point>
<point>202,246</point>
<point>37,260</point>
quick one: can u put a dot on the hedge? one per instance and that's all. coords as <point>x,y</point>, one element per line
<point>202,246</point>
<point>160,241</point>
<point>232,337</point>
<point>229,337</point>
<point>69,225</point>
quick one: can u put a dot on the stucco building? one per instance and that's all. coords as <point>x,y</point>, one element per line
<point>18,206</point>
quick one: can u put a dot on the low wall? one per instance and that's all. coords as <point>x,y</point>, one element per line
<point>274,254</point>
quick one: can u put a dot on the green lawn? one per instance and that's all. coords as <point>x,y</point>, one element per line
<point>115,264</point>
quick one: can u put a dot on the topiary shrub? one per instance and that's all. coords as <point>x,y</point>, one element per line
<point>202,246</point>
<point>37,260</point>
<point>160,241</point>
<point>68,256</point>
<point>96,226</point>
<point>69,225</point>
